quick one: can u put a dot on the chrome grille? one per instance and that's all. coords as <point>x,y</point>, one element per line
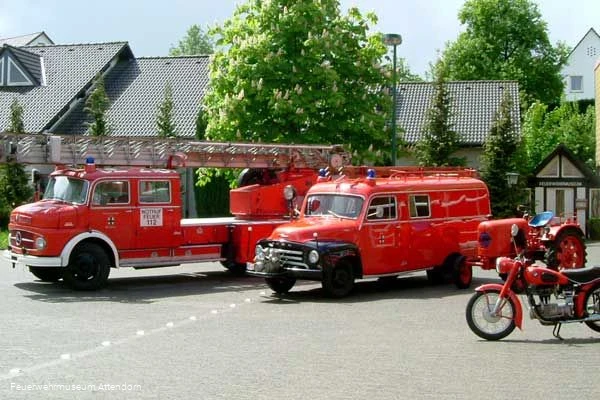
<point>21,239</point>
<point>291,258</point>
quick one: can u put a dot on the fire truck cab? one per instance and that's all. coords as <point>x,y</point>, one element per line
<point>367,226</point>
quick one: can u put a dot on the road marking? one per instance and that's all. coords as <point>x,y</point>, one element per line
<point>67,357</point>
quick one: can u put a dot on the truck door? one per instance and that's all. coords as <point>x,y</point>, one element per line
<point>381,252</point>
<point>423,245</point>
<point>158,215</point>
<point>111,212</point>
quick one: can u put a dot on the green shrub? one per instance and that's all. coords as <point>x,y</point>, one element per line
<point>3,239</point>
<point>594,228</point>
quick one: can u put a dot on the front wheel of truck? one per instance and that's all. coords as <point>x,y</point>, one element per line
<point>339,280</point>
<point>88,269</point>
<point>47,274</point>
<point>281,284</point>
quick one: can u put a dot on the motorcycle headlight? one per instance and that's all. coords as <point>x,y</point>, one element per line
<point>313,256</point>
<point>40,243</point>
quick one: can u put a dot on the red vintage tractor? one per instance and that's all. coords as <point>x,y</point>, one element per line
<point>556,241</point>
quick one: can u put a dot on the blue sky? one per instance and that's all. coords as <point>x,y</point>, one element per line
<point>152,27</point>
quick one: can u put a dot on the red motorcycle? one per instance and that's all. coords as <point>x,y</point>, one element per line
<point>554,297</point>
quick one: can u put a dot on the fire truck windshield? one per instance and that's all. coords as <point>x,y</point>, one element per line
<point>66,189</point>
<point>342,206</point>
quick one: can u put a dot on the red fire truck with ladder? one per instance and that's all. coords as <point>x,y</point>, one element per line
<point>129,212</point>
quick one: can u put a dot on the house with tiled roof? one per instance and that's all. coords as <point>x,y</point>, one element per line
<point>578,74</point>
<point>51,82</point>
<point>32,39</point>
<point>473,108</point>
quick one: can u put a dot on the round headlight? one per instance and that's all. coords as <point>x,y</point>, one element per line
<point>40,243</point>
<point>289,193</point>
<point>498,264</point>
<point>258,251</point>
<point>313,256</point>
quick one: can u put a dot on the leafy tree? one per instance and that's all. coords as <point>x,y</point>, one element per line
<point>543,130</point>
<point>299,71</point>
<point>16,117</point>
<point>439,140</point>
<point>164,119</point>
<point>96,105</point>
<point>14,182</point>
<point>507,40</point>
<point>501,155</point>
<point>201,123</point>
<point>195,42</point>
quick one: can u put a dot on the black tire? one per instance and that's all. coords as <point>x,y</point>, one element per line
<point>462,273</point>
<point>234,268</point>
<point>47,274</point>
<point>592,306</point>
<point>338,281</point>
<point>88,269</point>
<point>281,284</point>
<point>566,251</point>
<point>480,321</point>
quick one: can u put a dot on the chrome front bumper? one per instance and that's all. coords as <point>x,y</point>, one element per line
<point>31,261</point>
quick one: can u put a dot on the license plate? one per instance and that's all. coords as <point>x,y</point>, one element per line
<point>250,267</point>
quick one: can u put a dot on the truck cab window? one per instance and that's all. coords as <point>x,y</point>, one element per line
<point>382,208</point>
<point>155,192</point>
<point>111,192</point>
<point>419,206</point>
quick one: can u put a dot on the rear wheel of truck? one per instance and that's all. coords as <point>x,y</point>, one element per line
<point>88,269</point>
<point>339,280</point>
<point>566,251</point>
<point>281,284</point>
<point>462,273</point>
<point>47,274</point>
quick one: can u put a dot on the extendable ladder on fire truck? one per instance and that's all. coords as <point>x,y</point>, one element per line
<point>156,152</point>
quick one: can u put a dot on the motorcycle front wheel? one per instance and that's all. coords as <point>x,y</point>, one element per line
<point>483,322</point>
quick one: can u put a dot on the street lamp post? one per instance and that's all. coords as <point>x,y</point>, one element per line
<point>393,39</point>
<point>512,178</point>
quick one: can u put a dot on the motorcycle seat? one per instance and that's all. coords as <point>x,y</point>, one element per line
<point>582,275</point>
<point>541,219</point>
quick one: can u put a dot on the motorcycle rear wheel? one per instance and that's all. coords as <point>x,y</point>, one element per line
<point>483,323</point>
<point>592,306</point>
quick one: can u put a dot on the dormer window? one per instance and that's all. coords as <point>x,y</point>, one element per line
<point>20,68</point>
<point>16,76</point>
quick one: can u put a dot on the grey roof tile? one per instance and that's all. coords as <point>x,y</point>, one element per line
<point>473,106</point>
<point>136,88</point>
<point>44,104</point>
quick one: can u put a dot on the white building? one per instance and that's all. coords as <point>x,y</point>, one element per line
<point>578,74</point>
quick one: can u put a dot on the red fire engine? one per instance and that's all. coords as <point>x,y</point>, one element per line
<point>130,215</point>
<point>361,226</point>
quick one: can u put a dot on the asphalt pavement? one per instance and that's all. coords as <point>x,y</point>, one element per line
<point>198,332</point>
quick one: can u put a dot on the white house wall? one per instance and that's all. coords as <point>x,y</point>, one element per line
<point>581,62</point>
